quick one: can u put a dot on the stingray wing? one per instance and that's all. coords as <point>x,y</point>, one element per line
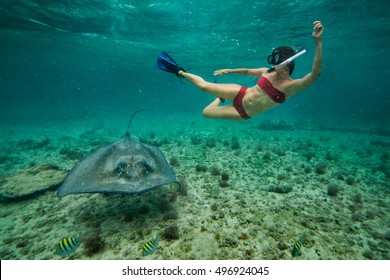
<point>126,166</point>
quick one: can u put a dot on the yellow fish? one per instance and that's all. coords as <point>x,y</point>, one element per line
<point>67,245</point>
<point>297,245</point>
<point>149,247</point>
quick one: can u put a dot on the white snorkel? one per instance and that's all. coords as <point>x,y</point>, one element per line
<point>287,61</point>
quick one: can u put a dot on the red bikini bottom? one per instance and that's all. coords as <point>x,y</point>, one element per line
<point>237,103</point>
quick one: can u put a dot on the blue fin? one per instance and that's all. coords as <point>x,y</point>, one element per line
<point>167,64</point>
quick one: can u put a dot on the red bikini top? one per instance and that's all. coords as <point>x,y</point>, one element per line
<point>273,93</point>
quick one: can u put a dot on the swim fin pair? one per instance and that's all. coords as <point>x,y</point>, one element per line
<point>167,64</point>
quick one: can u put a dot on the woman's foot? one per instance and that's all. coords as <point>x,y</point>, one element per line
<point>180,73</point>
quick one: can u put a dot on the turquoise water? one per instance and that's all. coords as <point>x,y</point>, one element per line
<point>98,57</point>
<point>73,72</point>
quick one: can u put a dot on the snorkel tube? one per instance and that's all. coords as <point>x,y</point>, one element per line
<point>287,61</point>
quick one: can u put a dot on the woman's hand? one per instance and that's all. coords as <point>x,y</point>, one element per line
<point>318,29</point>
<point>222,72</point>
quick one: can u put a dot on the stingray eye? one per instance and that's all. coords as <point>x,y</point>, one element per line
<point>120,169</point>
<point>143,166</point>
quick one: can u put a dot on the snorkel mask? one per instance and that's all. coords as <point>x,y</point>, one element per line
<point>274,58</point>
<point>281,57</point>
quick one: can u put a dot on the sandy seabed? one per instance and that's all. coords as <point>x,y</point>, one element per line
<point>250,190</point>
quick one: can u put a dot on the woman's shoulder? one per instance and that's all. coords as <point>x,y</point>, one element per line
<point>258,72</point>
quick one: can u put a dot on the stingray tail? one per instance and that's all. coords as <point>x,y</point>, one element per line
<point>131,119</point>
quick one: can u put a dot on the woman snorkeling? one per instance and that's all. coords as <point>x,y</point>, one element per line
<point>272,88</point>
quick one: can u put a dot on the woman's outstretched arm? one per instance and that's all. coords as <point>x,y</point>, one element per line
<point>309,79</point>
<point>256,72</point>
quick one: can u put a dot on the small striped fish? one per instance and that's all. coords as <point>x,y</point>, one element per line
<point>297,246</point>
<point>67,245</point>
<point>149,247</point>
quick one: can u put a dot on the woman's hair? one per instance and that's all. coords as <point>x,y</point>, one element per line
<point>284,53</point>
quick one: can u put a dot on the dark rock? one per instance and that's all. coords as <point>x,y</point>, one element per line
<point>280,188</point>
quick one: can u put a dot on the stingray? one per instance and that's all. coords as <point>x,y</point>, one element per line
<point>126,166</point>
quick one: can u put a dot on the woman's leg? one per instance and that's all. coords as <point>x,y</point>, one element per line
<point>221,112</point>
<point>227,91</point>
